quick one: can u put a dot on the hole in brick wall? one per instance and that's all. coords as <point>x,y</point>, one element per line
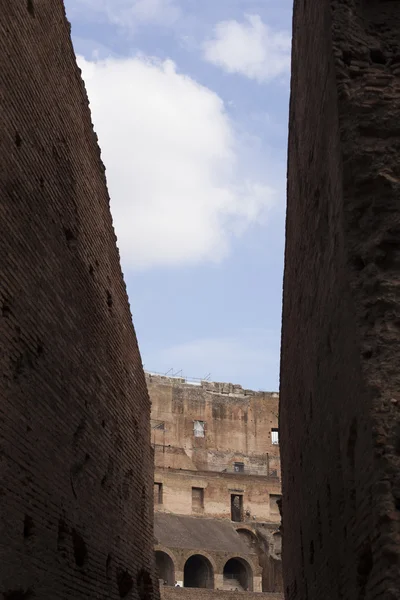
<point>109,300</point>
<point>367,354</point>
<point>124,582</point>
<point>145,585</point>
<point>69,235</point>
<point>39,349</point>
<point>18,140</point>
<point>80,430</point>
<point>19,594</point>
<point>364,568</point>
<point>351,443</point>
<point>103,423</point>
<point>108,566</point>
<point>357,263</point>
<point>28,526</point>
<point>347,56</point>
<point>143,502</point>
<point>31,8</point>
<point>5,309</point>
<point>312,552</point>
<point>80,550</point>
<point>377,56</point>
<point>62,534</point>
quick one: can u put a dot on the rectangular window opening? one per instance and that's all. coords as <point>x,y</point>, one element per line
<point>197,498</point>
<point>158,493</point>
<point>275,436</point>
<point>273,504</point>
<point>236,508</point>
<point>238,467</point>
<point>199,428</point>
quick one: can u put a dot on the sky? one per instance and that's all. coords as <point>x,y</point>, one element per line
<point>189,100</point>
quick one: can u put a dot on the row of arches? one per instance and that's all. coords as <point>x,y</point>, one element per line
<point>199,573</point>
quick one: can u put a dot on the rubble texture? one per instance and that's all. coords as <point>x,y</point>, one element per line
<point>76,464</point>
<point>340,381</point>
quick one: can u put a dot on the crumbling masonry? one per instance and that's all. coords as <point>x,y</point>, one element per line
<point>76,464</point>
<point>340,378</point>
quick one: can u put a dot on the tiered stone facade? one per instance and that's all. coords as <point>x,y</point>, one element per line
<point>217,483</point>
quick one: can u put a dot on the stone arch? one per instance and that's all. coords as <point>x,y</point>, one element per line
<point>198,572</point>
<point>238,574</point>
<point>165,567</point>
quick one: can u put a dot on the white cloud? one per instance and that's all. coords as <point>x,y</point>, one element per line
<point>178,192</point>
<point>250,357</point>
<point>126,14</point>
<point>251,48</point>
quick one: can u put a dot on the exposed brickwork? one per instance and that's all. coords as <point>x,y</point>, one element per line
<point>75,455</point>
<point>340,380</point>
<point>171,593</point>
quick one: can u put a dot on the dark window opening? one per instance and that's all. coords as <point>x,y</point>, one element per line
<point>165,568</point>
<point>158,493</point>
<point>197,498</point>
<point>238,575</point>
<point>236,508</point>
<point>198,573</point>
<point>238,467</point>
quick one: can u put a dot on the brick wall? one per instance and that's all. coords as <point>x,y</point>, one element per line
<point>172,593</point>
<point>340,382</point>
<point>75,455</point>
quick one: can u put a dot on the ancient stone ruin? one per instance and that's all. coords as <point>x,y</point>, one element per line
<point>76,463</point>
<point>216,487</point>
<point>340,381</point>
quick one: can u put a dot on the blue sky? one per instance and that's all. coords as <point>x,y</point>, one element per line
<point>189,99</point>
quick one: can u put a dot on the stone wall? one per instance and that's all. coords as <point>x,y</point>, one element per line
<point>171,593</point>
<point>340,382</point>
<point>259,494</point>
<point>238,425</point>
<point>75,454</point>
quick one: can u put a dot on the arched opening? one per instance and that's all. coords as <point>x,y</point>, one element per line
<point>165,568</point>
<point>198,573</point>
<point>238,575</point>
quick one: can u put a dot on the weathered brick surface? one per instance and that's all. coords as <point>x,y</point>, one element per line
<point>172,593</point>
<point>75,456</point>
<point>340,382</point>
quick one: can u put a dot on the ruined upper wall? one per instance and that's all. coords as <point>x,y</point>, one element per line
<point>75,456</point>
<point>237,422</point>
<point>339,396</point>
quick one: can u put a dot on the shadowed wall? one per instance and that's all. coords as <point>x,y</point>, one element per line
<point>340,382</point>
<point>75,457</point>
